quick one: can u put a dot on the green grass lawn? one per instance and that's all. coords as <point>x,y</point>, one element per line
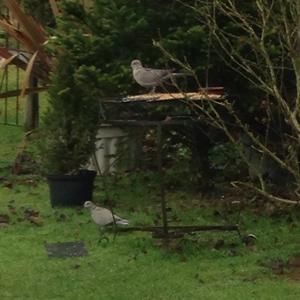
<point>134,266</point>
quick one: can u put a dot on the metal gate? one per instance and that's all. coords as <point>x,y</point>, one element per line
<point>15,110</point>
<point>11,107</point>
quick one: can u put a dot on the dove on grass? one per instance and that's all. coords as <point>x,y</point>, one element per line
<point>103,216</point>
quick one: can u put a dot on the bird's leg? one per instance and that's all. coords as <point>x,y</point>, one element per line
<point>102,236</point>
<point>152,91</point>
<point>114,223</point>
<point>115,231</point>
<point>114,227</point>
<point>173,81</point>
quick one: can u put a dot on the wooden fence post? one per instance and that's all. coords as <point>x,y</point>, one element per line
<point>32,107</point>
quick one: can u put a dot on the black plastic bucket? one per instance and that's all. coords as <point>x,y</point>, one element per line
<point>71,190</point>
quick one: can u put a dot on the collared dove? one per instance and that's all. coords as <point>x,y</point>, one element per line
<point>103,216</point>
<point>151,78</point>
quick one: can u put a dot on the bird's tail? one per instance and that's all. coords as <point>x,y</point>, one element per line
<point>122,222</point>
<point>180,74</point>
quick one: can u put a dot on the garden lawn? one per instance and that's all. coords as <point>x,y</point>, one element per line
<point>133,266</point>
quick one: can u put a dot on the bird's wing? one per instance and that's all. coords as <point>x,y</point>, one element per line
<point>150,77</point>
<point>102,210</point>
<point>101,216</point>
<point>159,73</point>
<point>165,73</point>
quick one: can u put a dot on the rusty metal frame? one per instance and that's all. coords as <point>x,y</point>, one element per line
<point>165,231</point>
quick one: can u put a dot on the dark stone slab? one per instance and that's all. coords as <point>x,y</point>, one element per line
<point>67,249</point>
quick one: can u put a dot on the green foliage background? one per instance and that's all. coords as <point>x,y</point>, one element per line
<point>120,31</point>
<point>69,126</point>
<point>41,11</point>
<point>101,42</point>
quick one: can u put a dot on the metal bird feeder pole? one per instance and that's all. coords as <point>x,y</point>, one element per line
<point>162,187</point>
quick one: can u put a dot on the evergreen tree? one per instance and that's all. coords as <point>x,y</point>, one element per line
<point>121,31</point>
<point>40,10</point>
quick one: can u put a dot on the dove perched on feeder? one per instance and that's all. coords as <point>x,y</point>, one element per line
<point>103,216</point>
<point>151,78</point>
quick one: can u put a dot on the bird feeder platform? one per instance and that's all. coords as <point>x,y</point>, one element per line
<point>209,94</point>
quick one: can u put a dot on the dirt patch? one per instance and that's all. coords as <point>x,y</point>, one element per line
<point>294,268</point>
<point>289,269</point>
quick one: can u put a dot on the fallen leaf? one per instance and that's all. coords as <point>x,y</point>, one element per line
<point>3,225</point>
<point>251,279</point>
<point>28,212</point>
<point>36,220</point>
<point>33,216</point>
<point>4,218</point>
<point>8,184</point>
<point>294,261</point>
<point>76,266</point>
<point>79,210</point>
<point>278,266</point>
<point>219,244</point>
<point>199,279</point>
<point>31,182</point>
<point>61,218</point>
<point>12,209</point>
